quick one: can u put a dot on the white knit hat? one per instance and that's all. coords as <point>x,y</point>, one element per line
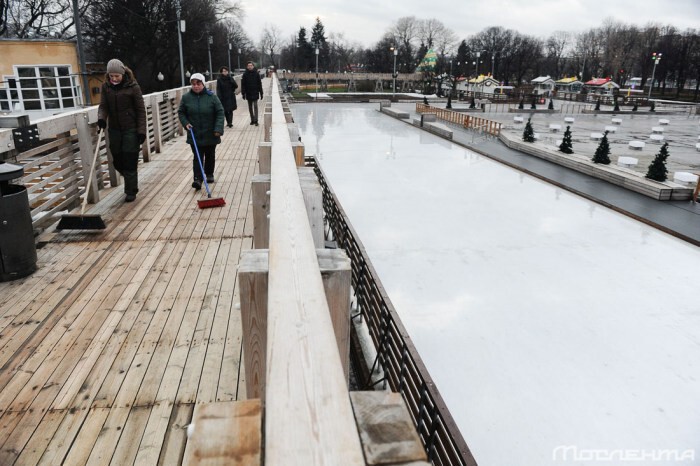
<point>199,76</point>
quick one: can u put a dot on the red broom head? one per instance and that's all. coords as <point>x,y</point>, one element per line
<point>213,202</point>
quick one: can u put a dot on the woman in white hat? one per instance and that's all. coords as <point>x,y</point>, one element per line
<point>201,111</point>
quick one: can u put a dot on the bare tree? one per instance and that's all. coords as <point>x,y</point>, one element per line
<point>25,19</point>
<point>556,46</point>
<point>270,41</point>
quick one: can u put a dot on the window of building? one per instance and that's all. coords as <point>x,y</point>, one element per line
<point>44,87</point>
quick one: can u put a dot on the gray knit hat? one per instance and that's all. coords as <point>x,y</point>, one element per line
<point>116,66</point>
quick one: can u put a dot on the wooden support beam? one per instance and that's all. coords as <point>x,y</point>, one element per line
<point>299,152</point>
<point>157,122</point>
<point>264,153</point>
<point>313,200</point>
<point>253,272</point>
<point>225,433</point>
<point>386,430</point>
<point>308,416</point>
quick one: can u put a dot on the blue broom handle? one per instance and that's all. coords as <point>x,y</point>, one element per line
<point>199,159</point>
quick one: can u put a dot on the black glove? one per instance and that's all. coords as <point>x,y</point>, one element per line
<point>142,137</point>
<point>243,95</point>
<point>101,123</point>
<point>261,96</point>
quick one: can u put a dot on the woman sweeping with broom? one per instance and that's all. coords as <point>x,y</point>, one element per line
<point>202,115</point>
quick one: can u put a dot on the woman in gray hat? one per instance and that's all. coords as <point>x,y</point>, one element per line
<point>122,108</point>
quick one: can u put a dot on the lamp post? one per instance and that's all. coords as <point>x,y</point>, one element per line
<point>656,58</point>
<point>229,58</point>
<point>316,94</point>
<point>210,40</point>
<point>180,30</point>
<point>81,53</point>
<point>239,58</point>
<point>393,75</point>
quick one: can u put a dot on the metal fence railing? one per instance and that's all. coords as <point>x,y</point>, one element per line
<point>404,370</point>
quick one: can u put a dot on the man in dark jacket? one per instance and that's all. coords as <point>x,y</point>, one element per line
<point>122,106</point>
<point>201,111</point>
<point>226,92</point>
<point>252,90</point>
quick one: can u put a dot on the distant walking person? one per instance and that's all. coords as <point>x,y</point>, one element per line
<point>226,92</point>
<point>122,107</point>
<point>252,90</point>
<point>201,111</point>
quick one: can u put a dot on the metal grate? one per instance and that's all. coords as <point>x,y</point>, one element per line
<point>404,369</point>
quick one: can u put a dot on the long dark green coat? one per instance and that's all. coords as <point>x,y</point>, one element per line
<point>206,115</point>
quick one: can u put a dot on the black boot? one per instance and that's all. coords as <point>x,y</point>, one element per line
<point>131,185</point>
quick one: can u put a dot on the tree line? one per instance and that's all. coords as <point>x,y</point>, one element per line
<point>144,35</point>
<point>614,50</point>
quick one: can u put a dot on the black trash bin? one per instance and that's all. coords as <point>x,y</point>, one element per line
<point>17,248</point>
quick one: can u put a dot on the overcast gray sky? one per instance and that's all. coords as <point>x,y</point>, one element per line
<point>366,21</point>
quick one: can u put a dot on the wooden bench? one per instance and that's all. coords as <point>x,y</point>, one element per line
<point>596,136</point>
<point>627,162</point>
<point>518,119</point>
<point>685,178</point>
<point>617,121</point>
<point>401,115</point>
<point>664,121</point>
<point>611,129</point>
<point>697,146</point>
<point>656,137</point>
<point>637,145</point>
<point>569,119</point>
<point>439,129</point>
<point>554,127</point>
<point>657,129</point>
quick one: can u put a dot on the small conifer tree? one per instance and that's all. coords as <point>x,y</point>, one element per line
<point>657,168</point>
<point>425,100</point>
<point>566,145</point>
<point>597,105</point>
<point>521,105</point>
<point>652,107</point>
<point>473,103</point>
<point>634,109</point>
<point>602,153</point>
<point>617,106</point>
<point>551,104</point>
<point>449,101</point>
<point>533,105</point>
<point>528,133</point>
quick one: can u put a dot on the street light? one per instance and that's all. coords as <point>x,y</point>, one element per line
<point>188,74</point>
<point>180,30</point>
<point>229,58</point>
<point>210,40</point>
<point>656,58</point>
<point>316,94</point>
<point>239,58</point>
<point>393,89</point>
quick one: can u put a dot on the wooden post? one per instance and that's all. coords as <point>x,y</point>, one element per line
<point>386,412</point>
<point>178,98</point>
<point>293,129</point>
<point>157,122</point>
<point>146,146</point>
<point>260,188</point>
<point>298,149</point>
<point>264,153</point>
<point>267,124</point>
<point>313,199</point>
<point>253,271</point>
<point>225,433</point>
<point>86,154</point>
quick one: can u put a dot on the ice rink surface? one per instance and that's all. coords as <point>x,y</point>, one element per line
<point>557,331</point>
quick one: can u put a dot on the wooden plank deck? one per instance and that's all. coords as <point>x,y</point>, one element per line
<point>107,348</point>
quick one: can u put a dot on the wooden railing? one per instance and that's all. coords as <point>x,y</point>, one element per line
<point>308,415</point>
<point>350,76</point>
<point>462,119</point>
<point>56,168</point>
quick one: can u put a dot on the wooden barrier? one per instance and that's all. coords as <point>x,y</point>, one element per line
<point>462,119</point>
<point>253,274</point>
<point>307,411</point>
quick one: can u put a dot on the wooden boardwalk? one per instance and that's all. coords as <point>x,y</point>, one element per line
<point>106,349</point>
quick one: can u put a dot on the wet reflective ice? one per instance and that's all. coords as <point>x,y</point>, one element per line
<point>546,320</point>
